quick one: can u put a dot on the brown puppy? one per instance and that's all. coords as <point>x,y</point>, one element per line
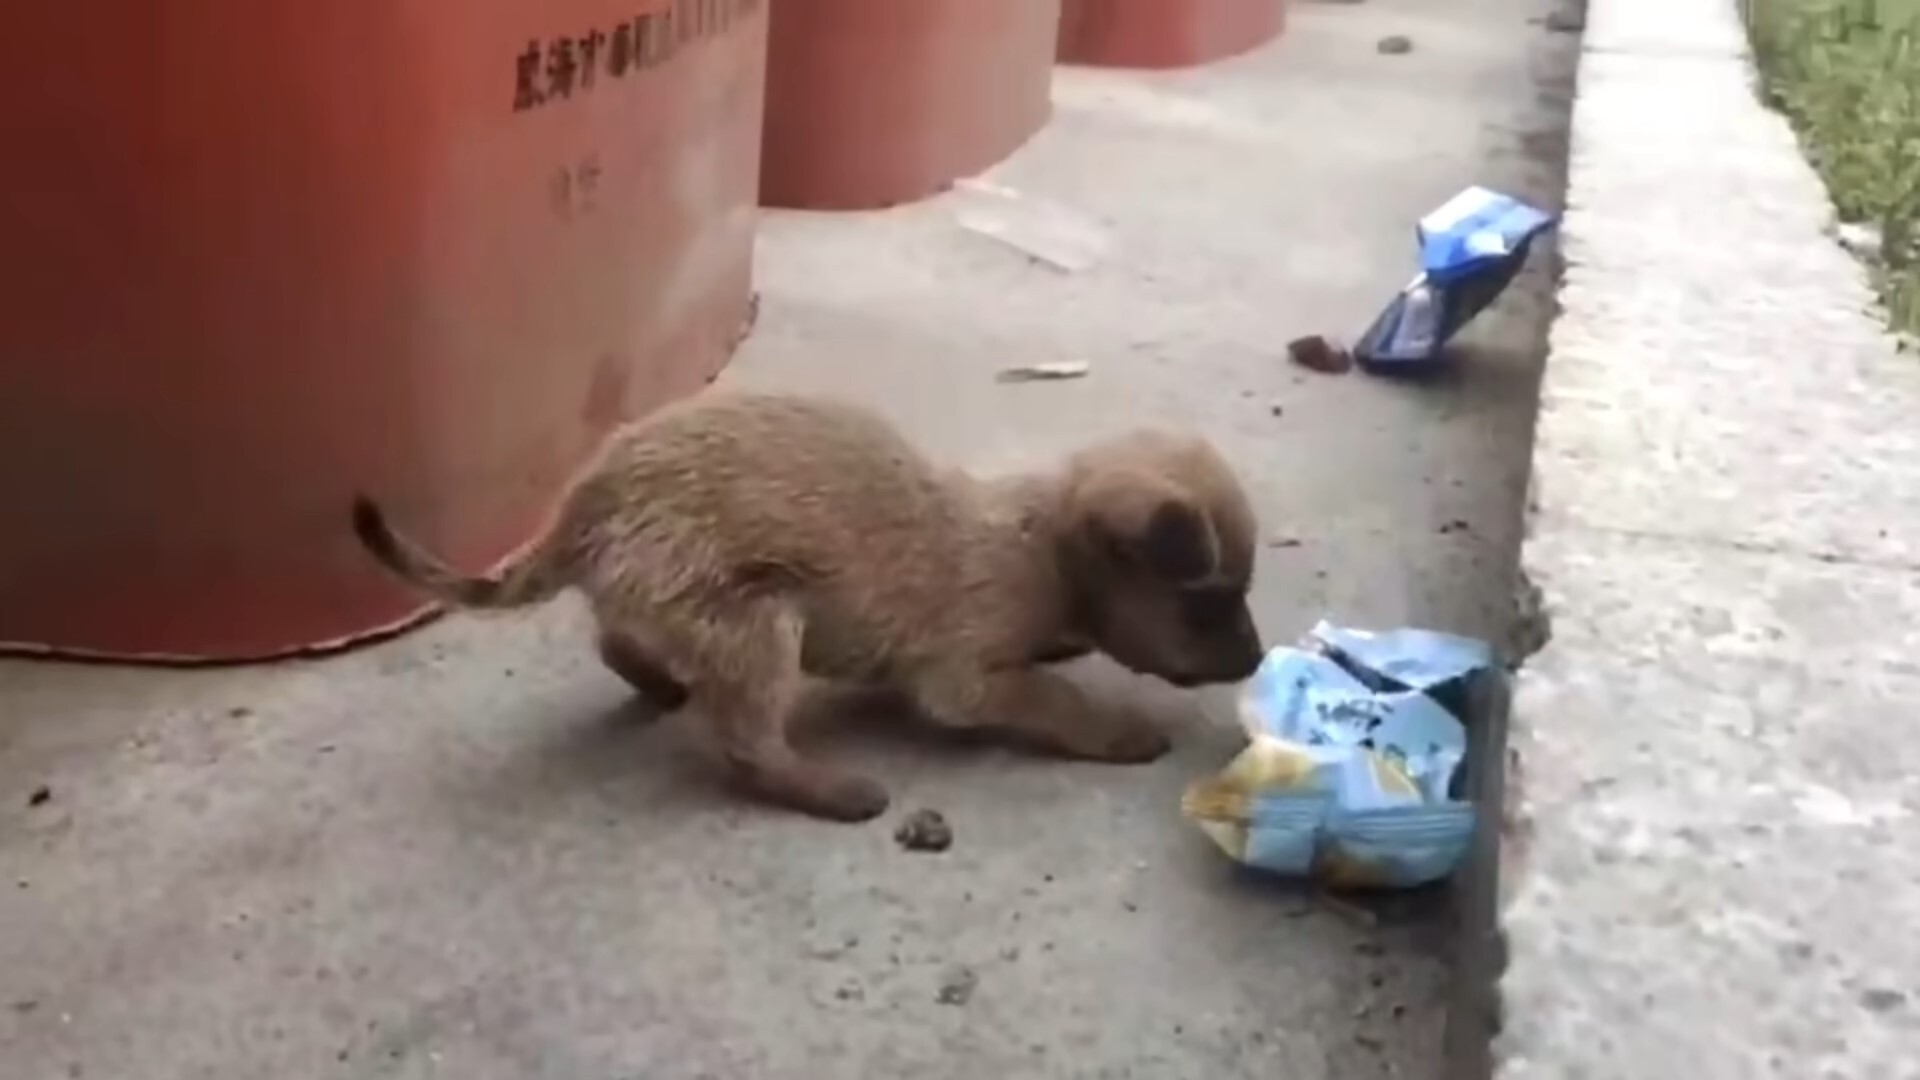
<point>729,543</point>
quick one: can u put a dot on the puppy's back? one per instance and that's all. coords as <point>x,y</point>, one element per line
<point>810,486</point>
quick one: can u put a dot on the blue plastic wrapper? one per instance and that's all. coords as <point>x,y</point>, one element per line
<point>1470,250</point>
<point>1406,659</point>
<point>1349,769</point>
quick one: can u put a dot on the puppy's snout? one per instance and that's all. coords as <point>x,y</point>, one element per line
<point>1251,650</point>
<point>1234,660</point>
<point>1237,667</point>
<point>1247,660</point>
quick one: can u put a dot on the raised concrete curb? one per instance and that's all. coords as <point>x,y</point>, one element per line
<point>1715,865</point>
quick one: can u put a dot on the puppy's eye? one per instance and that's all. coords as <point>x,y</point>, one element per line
<point>1205,610</point>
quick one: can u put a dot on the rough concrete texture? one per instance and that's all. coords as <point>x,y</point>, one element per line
<point>1716,871</point>
<point>457,854</point>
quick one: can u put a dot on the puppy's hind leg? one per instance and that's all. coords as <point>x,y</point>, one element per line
<point>745,677</point>
<point>1042,708</point>
<point>627,655</point>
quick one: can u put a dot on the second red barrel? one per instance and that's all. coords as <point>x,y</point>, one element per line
<point>1165,33</point>
<point>876,102</point>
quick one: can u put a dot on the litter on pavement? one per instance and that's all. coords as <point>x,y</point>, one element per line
<point>1470,250</point>
<point>1319,353</point>
<point>1349,773</point>
<point>1050,371</point>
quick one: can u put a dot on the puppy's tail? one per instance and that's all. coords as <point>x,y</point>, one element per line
<point>533,576</point>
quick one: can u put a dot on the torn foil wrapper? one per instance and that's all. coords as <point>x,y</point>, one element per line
<point>1470,250</point>
<point>1350,770</point>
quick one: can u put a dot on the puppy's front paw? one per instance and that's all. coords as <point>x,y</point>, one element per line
<point>1135,741</point>
<point>853,799</point>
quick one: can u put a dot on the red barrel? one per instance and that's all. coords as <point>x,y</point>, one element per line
<point>877,102</point>
<point>1165,33</point>
<point>264,254</point>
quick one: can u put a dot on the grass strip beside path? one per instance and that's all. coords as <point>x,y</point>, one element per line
<point>1847,74</point>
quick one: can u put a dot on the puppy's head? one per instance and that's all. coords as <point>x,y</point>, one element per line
<point>1159,540</point>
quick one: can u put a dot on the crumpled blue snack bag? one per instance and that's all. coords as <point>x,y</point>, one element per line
<point>1470,249</point>
<point>1407,659</point>
<point>1350,761</point>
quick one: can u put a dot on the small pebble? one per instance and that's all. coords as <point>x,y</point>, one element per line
<point>41,796</point>
<point>1395,45</point>
<point>957,986</point>
<point>924,830</point>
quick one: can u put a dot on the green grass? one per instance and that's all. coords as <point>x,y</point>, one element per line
<point>1847,74</point>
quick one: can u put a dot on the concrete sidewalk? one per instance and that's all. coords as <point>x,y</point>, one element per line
<point>453,855</point>
<point>1717,867</point>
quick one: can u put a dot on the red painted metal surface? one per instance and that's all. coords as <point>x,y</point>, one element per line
<point>263,254</point>
<point>1165,33</point>
<point>876,102</point>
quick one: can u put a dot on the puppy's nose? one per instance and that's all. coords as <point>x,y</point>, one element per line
<point>1248,665</point>
<point>1253,652</point>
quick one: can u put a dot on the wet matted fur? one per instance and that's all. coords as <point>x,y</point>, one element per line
<point>729,543</point>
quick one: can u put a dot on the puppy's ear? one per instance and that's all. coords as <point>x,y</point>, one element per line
<point>1179,543</point>
<point>1145,520</point>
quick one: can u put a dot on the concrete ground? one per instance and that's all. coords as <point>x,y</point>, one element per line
<point>1716,866</point>
<point>456,854</point>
